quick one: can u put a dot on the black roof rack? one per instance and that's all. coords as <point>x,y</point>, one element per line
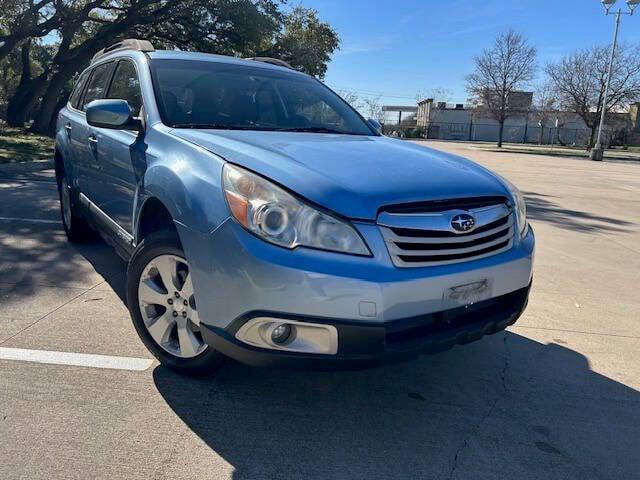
<point>272,61</point>
<point>128,44</point>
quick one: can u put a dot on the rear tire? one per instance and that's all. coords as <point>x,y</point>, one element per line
<point>163,307</point>
<point>75,226</point>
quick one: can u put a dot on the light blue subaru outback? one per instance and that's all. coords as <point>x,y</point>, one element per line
<point>264,219</point>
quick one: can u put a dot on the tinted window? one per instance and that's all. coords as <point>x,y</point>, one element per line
<point>126,86</point>
<point>98,84</point>
<point>230,96</point>
<point>74,99</point>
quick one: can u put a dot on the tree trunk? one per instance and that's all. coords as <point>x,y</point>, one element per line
<point>592,138</point>
<point>62,101</point>
<point>500,134</point>
<point>25,97</point>
<point>25,60</point>
<point>45,115</point>
<point>558,138</point>
<point>22,102</point>
<point>541,137</point>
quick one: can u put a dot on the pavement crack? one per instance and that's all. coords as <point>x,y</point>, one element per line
<point>46,315</point>
<point>477,428</point>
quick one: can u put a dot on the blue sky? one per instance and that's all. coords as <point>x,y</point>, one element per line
<point>403,47</point>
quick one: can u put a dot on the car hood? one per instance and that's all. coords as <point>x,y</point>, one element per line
<point>351,175</point>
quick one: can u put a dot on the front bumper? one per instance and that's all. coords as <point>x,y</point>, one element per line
<point>238,277</point>
<point>371,344</point>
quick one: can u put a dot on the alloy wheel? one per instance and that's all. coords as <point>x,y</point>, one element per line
<point>168,306</point>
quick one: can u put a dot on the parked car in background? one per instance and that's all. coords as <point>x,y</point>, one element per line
<point>264,219</point>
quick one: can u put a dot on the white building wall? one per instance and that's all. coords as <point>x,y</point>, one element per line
<point>461,124</point>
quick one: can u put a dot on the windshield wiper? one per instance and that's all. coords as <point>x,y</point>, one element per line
<point>315,130</point>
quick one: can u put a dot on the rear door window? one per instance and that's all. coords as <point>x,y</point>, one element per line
<point>98,84</point>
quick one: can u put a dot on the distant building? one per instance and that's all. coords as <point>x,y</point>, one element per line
<point>464,122</point>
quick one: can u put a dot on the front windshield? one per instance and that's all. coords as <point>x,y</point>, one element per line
<point>202,94</point>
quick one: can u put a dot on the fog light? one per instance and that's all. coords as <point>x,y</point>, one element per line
<point>281,333</point>
<point>289,335</point>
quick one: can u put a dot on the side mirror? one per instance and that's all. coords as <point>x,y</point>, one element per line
<point>115,114</point>
<point>375,124</point>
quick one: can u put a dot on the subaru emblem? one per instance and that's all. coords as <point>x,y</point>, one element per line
<point>463,222</point>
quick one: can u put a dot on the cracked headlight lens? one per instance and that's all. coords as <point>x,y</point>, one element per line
<point>279,217</point>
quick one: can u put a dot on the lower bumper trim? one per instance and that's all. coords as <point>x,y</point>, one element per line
<point>362,345</point>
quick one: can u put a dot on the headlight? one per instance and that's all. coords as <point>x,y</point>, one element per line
<point>280,218</point>
<point>520,207</point>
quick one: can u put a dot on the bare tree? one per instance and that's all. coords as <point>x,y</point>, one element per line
<point>500,71</point>
<point>439,94</point>
<point>351,98</point>
<point>579,81</point>
<point>373,108</point>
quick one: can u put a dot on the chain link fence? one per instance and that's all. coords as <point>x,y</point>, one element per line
<point>532,134</point>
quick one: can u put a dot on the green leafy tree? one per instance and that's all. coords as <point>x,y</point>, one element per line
<point>305,42</point>
<point>82,27</point>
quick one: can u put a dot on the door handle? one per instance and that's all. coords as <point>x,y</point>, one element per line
<point>93,140</point>
<point>68,128</point>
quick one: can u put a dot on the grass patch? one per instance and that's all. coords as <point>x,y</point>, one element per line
<point>19,146</point>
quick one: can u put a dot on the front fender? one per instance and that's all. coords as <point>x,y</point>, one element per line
<point>190,189</point>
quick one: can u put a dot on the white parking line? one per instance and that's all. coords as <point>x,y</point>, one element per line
<point>29,220</point>
<point>75,359</point>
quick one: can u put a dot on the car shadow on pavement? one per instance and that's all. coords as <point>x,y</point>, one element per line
<point>505,407</point>
<point>35,255</point>
<point>541,208</point>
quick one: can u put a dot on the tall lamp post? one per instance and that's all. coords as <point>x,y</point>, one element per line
<point>598,151</point>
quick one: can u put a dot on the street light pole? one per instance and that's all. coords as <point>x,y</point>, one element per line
<point>597,153</point>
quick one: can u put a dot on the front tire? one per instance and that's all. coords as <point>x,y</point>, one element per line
<point>163,306</point>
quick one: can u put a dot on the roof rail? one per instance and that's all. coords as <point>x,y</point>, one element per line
<point>272,61</point>
<point>128,44</point>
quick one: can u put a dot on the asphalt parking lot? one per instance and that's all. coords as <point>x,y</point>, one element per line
<point>557,396</point>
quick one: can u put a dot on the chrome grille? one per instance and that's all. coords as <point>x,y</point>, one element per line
<point>428,239</point>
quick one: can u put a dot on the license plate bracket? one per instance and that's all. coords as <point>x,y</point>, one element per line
<point>468,293</point>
